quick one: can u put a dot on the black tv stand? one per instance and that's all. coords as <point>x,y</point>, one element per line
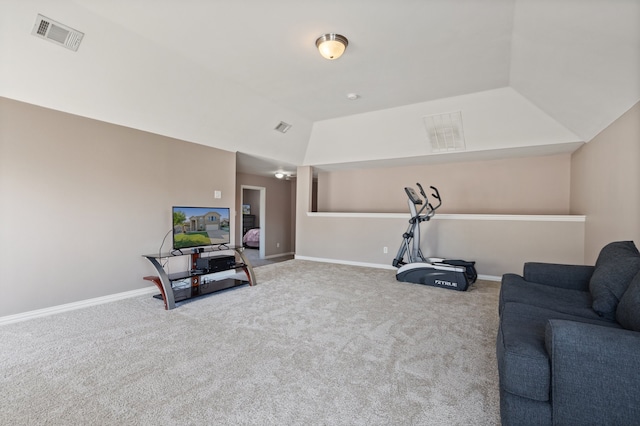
<point>199,281</point>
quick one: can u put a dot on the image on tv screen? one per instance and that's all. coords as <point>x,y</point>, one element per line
<point>200,226</point>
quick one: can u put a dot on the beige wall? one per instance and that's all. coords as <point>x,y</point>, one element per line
<point>605,184</point>
<point>536,185</point>
<point>498,244</point>
<point>279,221</point>
<point>357,222</point>
<point>82,200</point>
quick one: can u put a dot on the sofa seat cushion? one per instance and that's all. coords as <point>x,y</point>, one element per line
<point>523,361</point>
<point>617,264</point>
<point>573,302</point>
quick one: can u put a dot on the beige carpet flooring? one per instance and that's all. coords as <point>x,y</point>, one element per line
<point>253,255</point>
<point>311,344</point>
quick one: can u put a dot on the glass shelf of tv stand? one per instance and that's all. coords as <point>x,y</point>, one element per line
<point>172,294</point>
<point>201,251</point>
<point>187,291</point>
<point>177,276</point>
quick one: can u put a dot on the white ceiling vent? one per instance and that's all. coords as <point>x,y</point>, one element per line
<point>282,127</point>
<point>57,33</point>
<point>444,132</point>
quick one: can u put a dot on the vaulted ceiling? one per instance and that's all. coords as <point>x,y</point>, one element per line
<point>529,76</point>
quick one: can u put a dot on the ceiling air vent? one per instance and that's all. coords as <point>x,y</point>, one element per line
<point>57,33</point>
<point>444,132</point>
<point>282,127</point>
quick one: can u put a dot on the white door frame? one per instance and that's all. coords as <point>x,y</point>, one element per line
<point>262,212</point>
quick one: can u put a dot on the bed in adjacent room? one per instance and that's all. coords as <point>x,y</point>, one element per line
<point>252,238</point>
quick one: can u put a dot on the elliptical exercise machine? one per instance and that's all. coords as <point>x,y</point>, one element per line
<point>447,273</point>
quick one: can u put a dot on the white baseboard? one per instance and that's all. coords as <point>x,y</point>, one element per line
<point>377,265</point>
<point>345,262</point>
<point>489,277</point>
<point>9,319</point>
<point>76,305</point>
<point>271,256</point>
<point>93,302</point>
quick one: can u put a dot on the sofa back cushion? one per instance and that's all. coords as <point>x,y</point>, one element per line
<point>616,266</point>
<point>628,312</point>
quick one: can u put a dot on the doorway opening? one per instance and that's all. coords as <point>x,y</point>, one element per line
<point>253,203</point>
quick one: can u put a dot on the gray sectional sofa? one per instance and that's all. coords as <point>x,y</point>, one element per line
<point>568,345</point>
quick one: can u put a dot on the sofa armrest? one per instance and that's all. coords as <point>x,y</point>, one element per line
<point>594,373</point>
<point>573,277</point>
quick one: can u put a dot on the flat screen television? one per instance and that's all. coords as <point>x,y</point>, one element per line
<point>200,226</point>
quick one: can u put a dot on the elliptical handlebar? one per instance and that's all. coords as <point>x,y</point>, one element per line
<point>415,200</point>
<point>436,195</point>
<point>430,209</point>
<point>422,190</point>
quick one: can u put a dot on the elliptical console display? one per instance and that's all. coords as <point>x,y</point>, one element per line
<point>453,274</point>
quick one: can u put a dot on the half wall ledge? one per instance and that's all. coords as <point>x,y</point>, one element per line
<point>450,216</point>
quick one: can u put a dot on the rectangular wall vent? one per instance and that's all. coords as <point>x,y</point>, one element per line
<point>282,127</point>
<point>444,132</point>
<point>57,33</point>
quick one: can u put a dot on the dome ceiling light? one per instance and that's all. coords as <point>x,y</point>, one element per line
<point>332,46</point>
<point>284,175</point>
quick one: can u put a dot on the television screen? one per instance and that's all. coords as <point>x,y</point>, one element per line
<point>200,226</point>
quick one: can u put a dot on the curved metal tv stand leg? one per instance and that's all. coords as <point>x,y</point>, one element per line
<point>164,284</point>
<point>248,269</point>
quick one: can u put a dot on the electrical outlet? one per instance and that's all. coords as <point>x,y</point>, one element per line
<point>385,249</point>
<point>278,245</point>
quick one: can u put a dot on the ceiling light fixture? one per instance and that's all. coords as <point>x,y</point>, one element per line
<point>279,175</point>
<point>332,46</point>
